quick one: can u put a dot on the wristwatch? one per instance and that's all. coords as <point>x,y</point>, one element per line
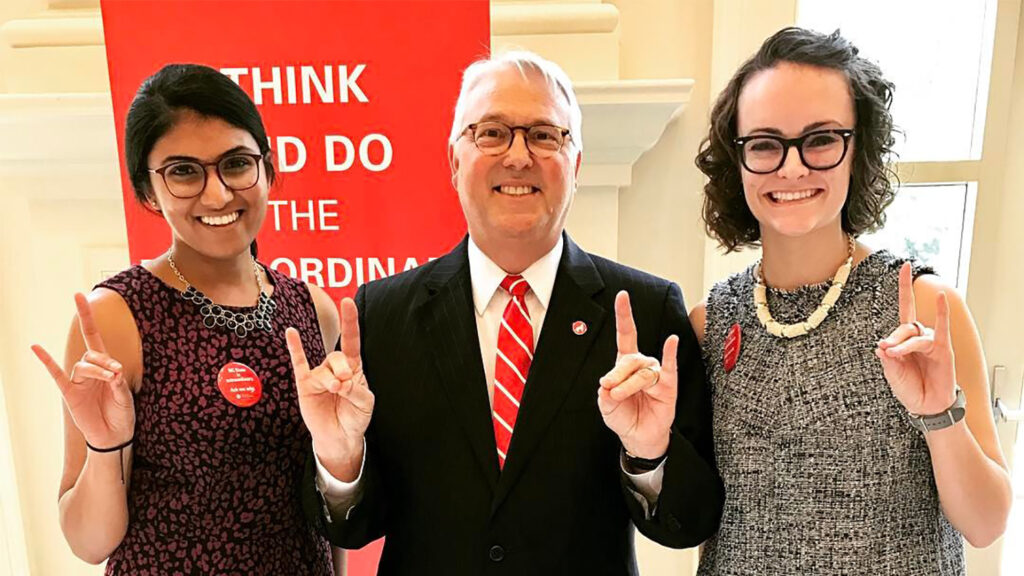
<point>643,464</point>
<point>952,415</point>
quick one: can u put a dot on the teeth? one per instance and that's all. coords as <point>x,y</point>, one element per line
<point>794,195</point>
<point>515,190</point>
<point>220,220</point>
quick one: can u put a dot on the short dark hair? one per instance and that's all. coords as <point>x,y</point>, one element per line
<point>872,182</point>
<point>163,97</point>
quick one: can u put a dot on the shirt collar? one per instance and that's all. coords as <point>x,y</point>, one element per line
<point>486,276</point>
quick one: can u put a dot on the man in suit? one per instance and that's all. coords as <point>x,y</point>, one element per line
<point>486,413</point>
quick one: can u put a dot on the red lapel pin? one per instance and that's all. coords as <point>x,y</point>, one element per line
<point>579,327</point>
<point>731,352</point>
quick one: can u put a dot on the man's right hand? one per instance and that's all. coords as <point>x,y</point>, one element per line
<point>334,398</point>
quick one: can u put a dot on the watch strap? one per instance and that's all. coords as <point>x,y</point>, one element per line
<point>949,417</point>
<point>643,464</point>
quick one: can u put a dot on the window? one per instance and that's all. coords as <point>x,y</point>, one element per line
<point>938,53</point>
<point>931,223</point>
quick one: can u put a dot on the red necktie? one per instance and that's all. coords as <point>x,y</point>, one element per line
<point>515,352</point>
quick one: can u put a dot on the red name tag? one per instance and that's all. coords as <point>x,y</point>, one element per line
<point>239,384</point>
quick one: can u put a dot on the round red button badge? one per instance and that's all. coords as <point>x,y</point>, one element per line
<point>239,384</point>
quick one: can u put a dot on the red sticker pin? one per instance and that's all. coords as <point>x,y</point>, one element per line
<point>731,353</point>
<point>239,384</point>
<point>579,327</point>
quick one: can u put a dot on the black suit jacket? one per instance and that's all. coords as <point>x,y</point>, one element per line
<point>431,482</point>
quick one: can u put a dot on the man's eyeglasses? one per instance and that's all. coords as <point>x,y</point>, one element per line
<point>186,179</point>
<point>819,150</point>
<point>493,138</point>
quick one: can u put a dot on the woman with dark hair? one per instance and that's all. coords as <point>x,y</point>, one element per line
<point>184,446</point>
<point>848,439</point>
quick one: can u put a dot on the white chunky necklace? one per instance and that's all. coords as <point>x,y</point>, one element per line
<point>817,317</point>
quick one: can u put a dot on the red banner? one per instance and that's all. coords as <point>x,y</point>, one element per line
<point>357,97</point>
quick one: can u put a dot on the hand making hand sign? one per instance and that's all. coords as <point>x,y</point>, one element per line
<point>637,398</point>
<point>918,361</point>
<point>96,393</point>
<point>334,398</point>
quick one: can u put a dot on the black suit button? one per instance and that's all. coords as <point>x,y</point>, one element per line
<point>496,553</point>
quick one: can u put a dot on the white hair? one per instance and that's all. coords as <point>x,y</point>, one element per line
<point>525,62</point>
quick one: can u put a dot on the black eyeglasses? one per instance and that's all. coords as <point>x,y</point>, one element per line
<point>493,138</point>
<point>819,150</point>
<point>187,179</point>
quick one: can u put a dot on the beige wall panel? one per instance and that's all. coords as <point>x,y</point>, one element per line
<point>583,56</point>
<point>997,255</point>
<point>9,10</point>
<point>593,220</point>
<point>61,239</point>
<point>58,69</point>
<point>659,225</point>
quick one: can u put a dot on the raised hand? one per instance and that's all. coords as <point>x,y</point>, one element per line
<point>637,398</point>
<point>918,361</point>
<point>334,398</point>
<point>96,393</point>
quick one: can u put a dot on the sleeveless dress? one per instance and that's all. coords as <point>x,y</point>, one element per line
<point>823,473</point>
<point>214,487</point>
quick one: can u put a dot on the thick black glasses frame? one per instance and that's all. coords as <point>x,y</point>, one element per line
<point>797,142</point>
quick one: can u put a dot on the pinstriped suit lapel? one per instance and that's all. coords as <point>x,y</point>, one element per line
<point>450,327</point>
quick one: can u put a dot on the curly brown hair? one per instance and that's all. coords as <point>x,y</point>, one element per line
<point>872,182</point>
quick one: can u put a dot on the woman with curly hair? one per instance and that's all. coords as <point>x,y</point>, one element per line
<point>848,439</point>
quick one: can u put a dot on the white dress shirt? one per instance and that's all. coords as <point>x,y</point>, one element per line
<point>489,301</point>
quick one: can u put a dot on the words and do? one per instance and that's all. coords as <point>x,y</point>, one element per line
<point>373,153</point>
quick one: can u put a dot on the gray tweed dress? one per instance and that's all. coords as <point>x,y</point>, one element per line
<point>823,473</point>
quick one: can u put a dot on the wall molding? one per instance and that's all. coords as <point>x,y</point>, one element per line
<point>55,28</point>
<point>553,18</point>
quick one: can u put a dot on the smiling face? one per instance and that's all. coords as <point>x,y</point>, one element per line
<point>219,223</point>
<point>515,196</point>
<point>790,100</point>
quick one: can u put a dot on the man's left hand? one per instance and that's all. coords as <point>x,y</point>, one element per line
<point>637,398</point>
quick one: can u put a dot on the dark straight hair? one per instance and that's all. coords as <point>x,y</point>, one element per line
<point>158,106</point>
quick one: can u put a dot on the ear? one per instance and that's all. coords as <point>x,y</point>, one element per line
<point>151,204</point>
<point>576,176</point>
<point>453,163</point>
<point>271,159</point>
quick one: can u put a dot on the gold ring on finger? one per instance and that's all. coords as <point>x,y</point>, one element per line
<point>655,371</point>
<point>921,330</point>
